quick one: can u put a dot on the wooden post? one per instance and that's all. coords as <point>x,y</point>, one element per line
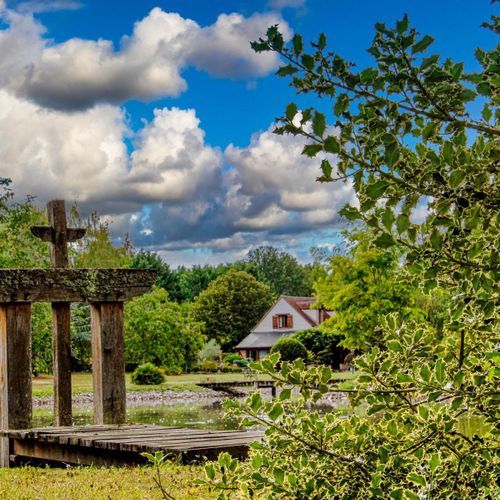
<point>61,319</point>
<point>15,371</point>
<point>58,234</point>
<point>108,363</point>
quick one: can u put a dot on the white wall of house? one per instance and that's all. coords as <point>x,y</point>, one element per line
<point>281,307</point>
<point>312,313</point>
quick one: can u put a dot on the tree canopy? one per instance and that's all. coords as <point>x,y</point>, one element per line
<point>279,270</point>
<point>230,306</point>
<point>160,331</point>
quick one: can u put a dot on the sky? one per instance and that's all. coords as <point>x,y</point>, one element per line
<point>159,116</point>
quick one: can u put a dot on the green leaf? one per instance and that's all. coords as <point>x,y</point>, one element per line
<point>402,25</point>
<point>425,372</point>
<point>434,462</point>
<point>291,111</point>
<point>287,70</point>
<point>417,479</point>
<point>392,153</point>
<point>308,62</point>
<point>298,45</point>
<point>319,123</point>
<point>456,178</point>
<point>312,150</point>
<point>327,169</point>
<point>436,240</point>
<point>350,213</point>
<point>486,113</point>
<point>388,218</point>
<point>423,411</point>
<point>402,223</point>
<point>376,190</point>
<point>210,471</point>
<point>440,373</point>
<point>321,41</point>
<point>332,144</point>
<point>385,240</point>
<point>276,411</point>
<point>422,44</point>
<point>279,476</point>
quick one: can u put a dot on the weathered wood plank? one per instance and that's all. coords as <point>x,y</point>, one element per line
<point>15,371</point>
<point>74,285</point>
<point>61,362</point>
<point>108,363</point>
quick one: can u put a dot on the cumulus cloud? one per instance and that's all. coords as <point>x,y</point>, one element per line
<point>77,74</point>
<point>223,49</point>
<point>83,156</point>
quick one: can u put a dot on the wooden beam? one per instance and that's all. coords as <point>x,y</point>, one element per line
<point>74,285</point>
<point>61,364</point>
<point>108,363</point>
<point>15,371</point>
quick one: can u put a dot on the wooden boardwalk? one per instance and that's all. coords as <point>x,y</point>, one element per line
<point>109,445</point>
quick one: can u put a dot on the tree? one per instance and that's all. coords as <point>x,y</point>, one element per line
<point>230,306</point>
<point>280,271</point>
<point>408,136</point>
<point>166,278</point>
<point>18,247</point>
<point>362,287</point>
<point>159,331</point>
<point>96,250</point>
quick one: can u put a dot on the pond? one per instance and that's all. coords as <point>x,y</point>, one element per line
<point>205,415</point>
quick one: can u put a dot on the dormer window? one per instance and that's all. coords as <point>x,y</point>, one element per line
<point>281,321</point>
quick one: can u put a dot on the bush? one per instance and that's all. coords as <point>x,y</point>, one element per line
<point>147,374</point>
<point>290,349</point>
<point>323,347</point>
<point>236,359</point>
<point>173,370</point>
<point>209,365</point>
<point>211,350</point>
<point>230,368</point>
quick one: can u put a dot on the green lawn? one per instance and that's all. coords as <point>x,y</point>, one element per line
<point>82,483</point>
<point>82,382</point>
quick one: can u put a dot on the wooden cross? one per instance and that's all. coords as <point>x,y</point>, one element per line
<point>59,235</point>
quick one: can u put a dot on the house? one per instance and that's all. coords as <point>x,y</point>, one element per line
<point>286,316</point>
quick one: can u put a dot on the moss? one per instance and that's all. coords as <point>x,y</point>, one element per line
<point>89,482</point>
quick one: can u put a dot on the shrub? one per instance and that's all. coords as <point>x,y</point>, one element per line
<point>211,350</point>
<point>173,370</point>
<point>230,368</point>
<point>209,365</point>
<point>147,374</point>
<point>323,346</point>
<point>236,359</point>
<point>290,349</point>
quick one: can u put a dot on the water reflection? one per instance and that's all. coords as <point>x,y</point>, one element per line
<point>188,414</point>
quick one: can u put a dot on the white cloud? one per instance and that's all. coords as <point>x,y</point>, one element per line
<point>39,6</point>
<point>77,74</point>
<point>82,156</point>
<point>223,49</point>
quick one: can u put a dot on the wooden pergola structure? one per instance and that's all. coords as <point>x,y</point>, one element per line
<point>105,289</point>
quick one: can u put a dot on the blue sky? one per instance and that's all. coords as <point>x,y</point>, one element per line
<point>157,114</point>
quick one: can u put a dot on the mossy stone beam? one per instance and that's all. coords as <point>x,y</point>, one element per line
<point>74,285</point>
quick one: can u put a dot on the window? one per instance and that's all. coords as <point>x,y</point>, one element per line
<point>282,321</point>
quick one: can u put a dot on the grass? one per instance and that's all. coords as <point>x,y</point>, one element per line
<point>82,382</point>
<point>81,483</point>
